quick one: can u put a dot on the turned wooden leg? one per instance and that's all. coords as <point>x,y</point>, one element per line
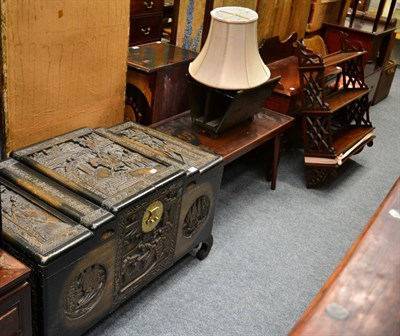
<point>275,160</point>
<point>273,154</point>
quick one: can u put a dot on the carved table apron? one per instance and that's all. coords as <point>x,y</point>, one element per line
<point>97,214</point>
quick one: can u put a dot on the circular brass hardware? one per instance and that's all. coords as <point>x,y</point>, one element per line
<point>145,31</point>
<point>148,5</point>
<point>152,216</point>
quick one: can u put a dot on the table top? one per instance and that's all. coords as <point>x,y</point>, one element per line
<point>363,26</point>
<point>287,68</point>
<point>362,296</point>
<point>153,56</point>
<point>11,271</point>
<point>235,141</point>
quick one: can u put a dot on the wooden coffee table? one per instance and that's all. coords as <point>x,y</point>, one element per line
<point>237,141</point>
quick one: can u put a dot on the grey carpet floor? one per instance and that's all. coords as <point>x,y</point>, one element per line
<point>273,250</point>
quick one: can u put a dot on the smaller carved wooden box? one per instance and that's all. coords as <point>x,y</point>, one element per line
<point>97,216</point>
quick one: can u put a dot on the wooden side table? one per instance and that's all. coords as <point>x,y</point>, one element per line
<point>15,297</point>
<point>156,81</point>
<point>236,141</point>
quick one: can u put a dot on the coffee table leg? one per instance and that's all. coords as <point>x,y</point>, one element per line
<point>275,160</point>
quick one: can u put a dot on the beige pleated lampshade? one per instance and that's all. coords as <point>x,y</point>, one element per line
<point>230,59</point>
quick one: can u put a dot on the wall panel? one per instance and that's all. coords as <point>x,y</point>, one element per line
<point>64,66</point>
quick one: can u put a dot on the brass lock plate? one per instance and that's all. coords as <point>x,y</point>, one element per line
<point>152,216</point>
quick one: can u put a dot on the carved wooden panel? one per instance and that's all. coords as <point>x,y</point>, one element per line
<point>96,167</point>
<point>30,225</point>
<point>85,291</point>
<point>144,253</point>
<point>77,208</point>
<point>164,146</point>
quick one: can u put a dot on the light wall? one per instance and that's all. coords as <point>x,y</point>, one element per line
<point>64,66</point>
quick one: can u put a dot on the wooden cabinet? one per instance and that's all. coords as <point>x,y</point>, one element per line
<point>378,44</point>
<point>335,108</point>
<point>146,18</point>
<point>156,81</point>
<point>375,32</point>
<point>15,297</point>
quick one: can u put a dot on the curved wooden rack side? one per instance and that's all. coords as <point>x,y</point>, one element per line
<point>273,49</point>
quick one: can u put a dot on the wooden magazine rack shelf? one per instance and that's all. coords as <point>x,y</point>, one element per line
<point>335,108</point>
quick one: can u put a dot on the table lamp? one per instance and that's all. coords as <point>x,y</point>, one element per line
<point>228,81</point>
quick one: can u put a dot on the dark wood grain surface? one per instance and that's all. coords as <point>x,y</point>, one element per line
<point>11,271</point>
<point>15,297</point>
<point>151,57</point>
<point>234,142</point>
<point>158,71</point>
<point>362,297</point>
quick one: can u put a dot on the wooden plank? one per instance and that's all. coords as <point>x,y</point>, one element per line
<point>343,97</point>
<point>282,18</point>
<point>362,296</point>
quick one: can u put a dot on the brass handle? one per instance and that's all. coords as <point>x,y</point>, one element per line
<point>145,31</point>
<point>148,5</point>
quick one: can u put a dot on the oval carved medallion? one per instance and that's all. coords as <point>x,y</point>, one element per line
<point>196,216</point>
<point>85,291</point>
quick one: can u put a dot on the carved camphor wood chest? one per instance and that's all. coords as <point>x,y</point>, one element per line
<point>97,214</point>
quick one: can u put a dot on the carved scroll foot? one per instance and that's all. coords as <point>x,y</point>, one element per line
<point>205,248</point>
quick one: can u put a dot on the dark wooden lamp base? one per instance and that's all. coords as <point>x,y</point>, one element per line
<point>215,110</point>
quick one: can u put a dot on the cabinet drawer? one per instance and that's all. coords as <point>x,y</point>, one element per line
<point>140,7</point>
<point>146,29</point>
<point>15,312</point>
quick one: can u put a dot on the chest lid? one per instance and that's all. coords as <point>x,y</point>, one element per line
<point>108,174</point>
<point>65,201</point>
<point>165,147</point>
<point>35,229</point>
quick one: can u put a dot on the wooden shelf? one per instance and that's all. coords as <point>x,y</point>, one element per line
<point>343,97</point>
<point>335,118</point>
<point>340,57</point>
<point>351,136</point>
<point>337,100</point>
<point>346,143</point>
